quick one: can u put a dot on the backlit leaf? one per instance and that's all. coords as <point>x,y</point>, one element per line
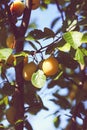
<point>84,38</point>
<point>73,38</point>
<point>84,51</point>
<point>18,121</point>
<point>56,121</point>
<point>38,79</point>
<point>4,101</point>
<point>47,1</point>
<point>72,26</point>
<point>79,56</point>
<point>65,48</point>
<point>4,53</point>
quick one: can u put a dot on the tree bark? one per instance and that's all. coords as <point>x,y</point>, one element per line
<point>19,91</point>
<point>19,32</point>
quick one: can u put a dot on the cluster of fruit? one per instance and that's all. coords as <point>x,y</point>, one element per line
<point>17,7</point>
<point>49,66</point>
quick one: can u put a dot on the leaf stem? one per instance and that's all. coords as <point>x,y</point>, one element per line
<point>61,12</point>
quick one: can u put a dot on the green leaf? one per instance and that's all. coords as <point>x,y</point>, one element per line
<point>29,38</point>
<point>73,38</point>
<point>47,1</point>
<point>0,69</point>
<point>84,51</point>
<point>65,48</point>
<point>56,121</point>
<point>38,79</point>
<point>2,127</point>
<point>79,56</point>
<point>32,25</point>
<point>18,121</point>
<point>72,25</point>
<point>4,101</point>
<point>22,53</point>
<point>4,53</point>
<point>43,6</point>
<point>1,101</point>
<point>84,38</point>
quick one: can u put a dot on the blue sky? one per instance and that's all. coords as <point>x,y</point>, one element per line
<point>44,18</point>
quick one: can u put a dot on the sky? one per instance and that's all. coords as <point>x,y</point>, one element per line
<point>44,18</point>
<point>44,119</point>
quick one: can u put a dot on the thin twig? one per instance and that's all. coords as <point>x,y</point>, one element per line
<point>54,42</point>
<point>59,9</point>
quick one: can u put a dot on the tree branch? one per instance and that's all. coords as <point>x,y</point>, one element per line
<point>85,123</point>
<point>19,91</point>
<point>19,32</point>
<point>26,18</point>
<point>11,20</point>
<point>58,7</point>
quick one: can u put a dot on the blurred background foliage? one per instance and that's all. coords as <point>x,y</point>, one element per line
<point>72,74</point>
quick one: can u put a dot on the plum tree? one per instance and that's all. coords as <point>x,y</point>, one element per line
<point>65,69</point>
